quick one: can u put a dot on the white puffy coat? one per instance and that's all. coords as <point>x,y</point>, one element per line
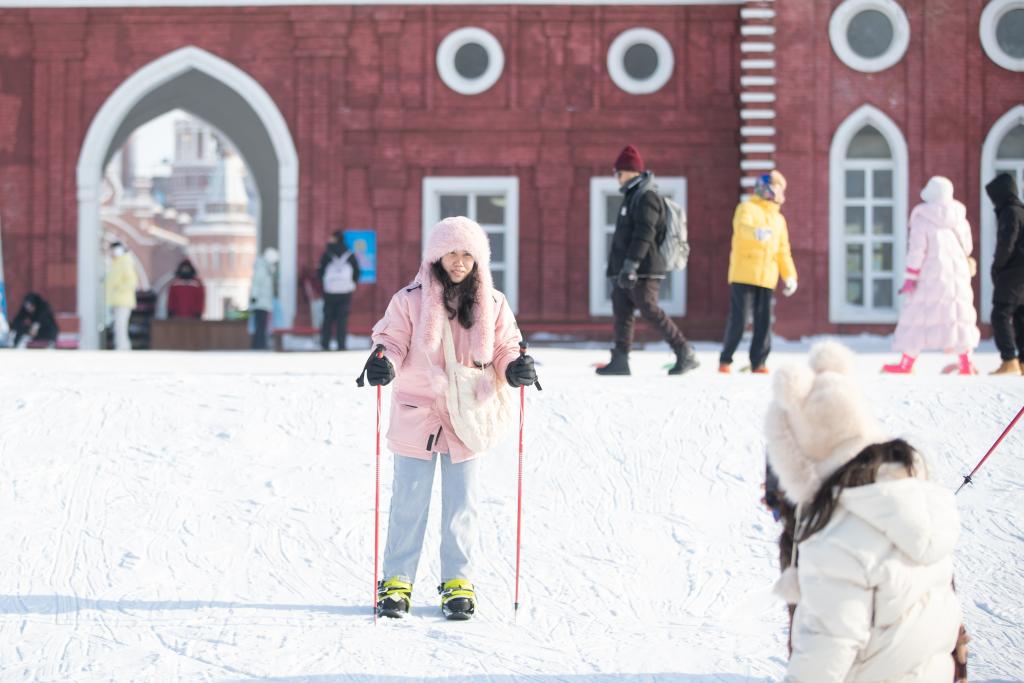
<point>876,599</point>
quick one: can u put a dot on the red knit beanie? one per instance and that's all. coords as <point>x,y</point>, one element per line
<point>629,160</point>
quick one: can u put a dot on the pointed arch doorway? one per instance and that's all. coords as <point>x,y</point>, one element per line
<point>219,92</point>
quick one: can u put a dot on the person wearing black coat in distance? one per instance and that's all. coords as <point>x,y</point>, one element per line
<point>339,273</point>
<point>637,268</point>
<point>34,322</point>
<point>1008,275</point>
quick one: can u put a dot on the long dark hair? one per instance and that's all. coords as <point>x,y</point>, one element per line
<point>459,299</point>
<point>862,470</point>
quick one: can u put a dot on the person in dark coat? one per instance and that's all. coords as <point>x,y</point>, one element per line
<point>186,297</point>
<point>637,267</point>
<point>1008,275</point>
<point>34,322</point>
<point>339,273</point>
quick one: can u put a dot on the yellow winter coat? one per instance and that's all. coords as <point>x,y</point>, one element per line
<point>760,245</point>
<point>121,282</point>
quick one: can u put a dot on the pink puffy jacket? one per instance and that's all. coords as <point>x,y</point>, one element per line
<point>419,423</point>
<point>939,315</point>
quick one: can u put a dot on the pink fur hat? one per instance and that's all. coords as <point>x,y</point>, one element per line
<point>457,234</point>
<point>818,421</point>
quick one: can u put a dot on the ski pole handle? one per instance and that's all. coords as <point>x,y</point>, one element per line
<point>522,352</point>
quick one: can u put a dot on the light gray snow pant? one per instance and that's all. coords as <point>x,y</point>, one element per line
<point>407,522</point>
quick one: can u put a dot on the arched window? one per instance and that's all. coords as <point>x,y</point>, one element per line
<point>868,211</point>
<point>1003,152</point>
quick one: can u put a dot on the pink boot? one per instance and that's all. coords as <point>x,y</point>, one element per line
<point>904,367</point>
<point>966,366</point>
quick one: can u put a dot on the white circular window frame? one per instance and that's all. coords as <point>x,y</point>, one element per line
<point>446,60</point>
<point>617,55</point>
<point>990,17</point>
<point>840,23</point>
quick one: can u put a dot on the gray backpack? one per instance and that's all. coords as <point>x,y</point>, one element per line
<point>674,247</point>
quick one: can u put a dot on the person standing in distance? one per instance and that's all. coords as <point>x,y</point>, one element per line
<point>121,283</point>
<point>637,267</point>
<point>339,273</point>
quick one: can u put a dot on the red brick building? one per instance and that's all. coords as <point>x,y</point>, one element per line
<point>386,116</point>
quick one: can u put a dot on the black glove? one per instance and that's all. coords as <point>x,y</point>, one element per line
<point>627,276</point>
<point>379,371</point>
<point>520,372</point>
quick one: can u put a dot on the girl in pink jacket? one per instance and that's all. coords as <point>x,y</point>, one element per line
<point>938,312</point>
<point>453,287</point>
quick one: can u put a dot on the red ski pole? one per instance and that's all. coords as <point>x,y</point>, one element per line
<point>376,503</point>
<point>967,479</point>
<point>519,497</point>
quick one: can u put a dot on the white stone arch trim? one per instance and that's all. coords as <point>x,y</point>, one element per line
<point>839,311</point>
<point>987,222</point>
<point>101,133</point>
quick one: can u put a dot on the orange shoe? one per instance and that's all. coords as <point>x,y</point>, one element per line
<point>760,370</point>
<point>725,368</point>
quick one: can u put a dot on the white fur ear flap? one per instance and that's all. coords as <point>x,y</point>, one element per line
<point>791,384</point>
<point>798,478</point>
<point>788,586</point>
<point>831,356</point>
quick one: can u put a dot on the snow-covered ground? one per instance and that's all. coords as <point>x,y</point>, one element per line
<point>210,517</point>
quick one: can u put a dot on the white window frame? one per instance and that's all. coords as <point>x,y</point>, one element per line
<point>839,310</point>
<point>988,223</point>
<point>600,187</point>
<point>990,17</point>
<point>617,68</point>
<point>434,187</point>
<point>446,60</point>
<point>840,22</point>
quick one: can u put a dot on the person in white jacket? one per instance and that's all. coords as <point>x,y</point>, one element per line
<point>261,300</point>
<point>872,572</point>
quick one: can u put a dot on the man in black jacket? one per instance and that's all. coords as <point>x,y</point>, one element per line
<point>637,266</point>
<point>1008,275</point>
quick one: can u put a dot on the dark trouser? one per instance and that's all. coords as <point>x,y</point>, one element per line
<point>1008,330</point>
<point>645,297</point>
<point>259,329</point>
<point>740,299</point>
<point>336,307</point>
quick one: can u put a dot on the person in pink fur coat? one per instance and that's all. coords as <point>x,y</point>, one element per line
<point>938,312</point>
<point>453,287</point>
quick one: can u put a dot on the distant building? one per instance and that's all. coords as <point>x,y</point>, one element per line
<point>388,116</point>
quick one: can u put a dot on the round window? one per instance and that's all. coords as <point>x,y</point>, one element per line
<point>470,60</point>
<point>869,35</point>
<point>640,61</point>
<point>1002,33</point>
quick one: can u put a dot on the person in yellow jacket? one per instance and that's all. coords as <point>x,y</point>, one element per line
<point>121,284</point>
<point>760,254</point>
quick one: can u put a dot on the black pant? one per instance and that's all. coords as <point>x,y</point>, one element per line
<point>740,299</point>
<point>336,307</point>
<point>645,297</point>
<point>259,333</point>
<point>1008,330</point>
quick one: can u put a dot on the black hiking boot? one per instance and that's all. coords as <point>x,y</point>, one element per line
<point>686,360</point>
<point>619,364</point>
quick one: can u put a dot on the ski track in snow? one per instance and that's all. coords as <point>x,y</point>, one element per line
<point>209,517</point>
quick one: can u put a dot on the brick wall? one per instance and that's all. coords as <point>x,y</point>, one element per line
<point>371,118</point>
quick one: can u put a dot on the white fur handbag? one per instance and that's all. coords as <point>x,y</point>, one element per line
<point>478,401</point>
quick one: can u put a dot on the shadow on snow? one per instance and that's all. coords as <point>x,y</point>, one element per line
<point>61,604</point>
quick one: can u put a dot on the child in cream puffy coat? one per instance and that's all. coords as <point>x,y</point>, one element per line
<point>873,568</point>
